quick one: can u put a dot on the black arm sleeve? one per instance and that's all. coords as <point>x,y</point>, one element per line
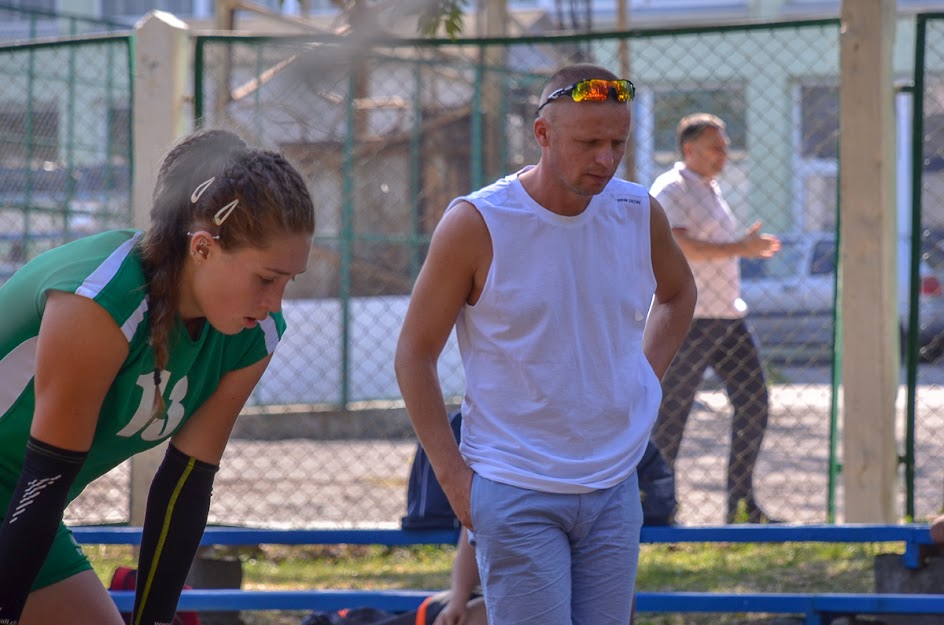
<point>177,508</point>
<point>32,519</point>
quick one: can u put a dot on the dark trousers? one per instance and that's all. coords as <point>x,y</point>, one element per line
<point>726,345</point>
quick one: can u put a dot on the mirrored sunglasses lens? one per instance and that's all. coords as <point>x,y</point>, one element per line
<point>623,91</point>
<point>591,90</point>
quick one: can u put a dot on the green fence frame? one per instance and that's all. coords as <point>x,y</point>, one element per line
<point>72,43</point>
<point>346,235</point>
<point>73,20</point>
<point>917,204</point>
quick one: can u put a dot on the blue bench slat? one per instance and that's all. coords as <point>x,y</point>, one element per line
<point>781,603</point>
<point>249,536</point>
<point>914,537</point>
<point>842,603</point>
<point>917,534</point>
<point>784,603</point>
<point>402,600</point>
<point>233,599</point>
<point>854,533</point>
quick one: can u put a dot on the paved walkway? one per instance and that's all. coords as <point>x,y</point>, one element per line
<point>301,482</point>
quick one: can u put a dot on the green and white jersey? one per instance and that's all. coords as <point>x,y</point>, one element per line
<point>107,269</point>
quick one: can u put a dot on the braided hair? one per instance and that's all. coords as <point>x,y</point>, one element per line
<point>273,200</point>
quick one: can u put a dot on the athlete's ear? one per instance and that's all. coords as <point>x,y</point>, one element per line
<point>200,243</point>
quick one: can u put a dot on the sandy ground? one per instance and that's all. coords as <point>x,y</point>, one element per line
<point>311,483</point>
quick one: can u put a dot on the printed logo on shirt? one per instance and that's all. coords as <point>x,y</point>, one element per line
<point>629,200</point>
<point>153,427</point>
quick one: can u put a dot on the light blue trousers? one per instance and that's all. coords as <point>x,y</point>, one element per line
<point>553,559</point>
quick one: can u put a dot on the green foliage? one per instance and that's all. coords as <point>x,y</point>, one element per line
<point>106,558</point>
<point>445,12</point>
<point>431,15</point>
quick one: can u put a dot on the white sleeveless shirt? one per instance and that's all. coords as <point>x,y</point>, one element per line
<point>559,395</point>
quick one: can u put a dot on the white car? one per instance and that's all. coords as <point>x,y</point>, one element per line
<point>791,300</point>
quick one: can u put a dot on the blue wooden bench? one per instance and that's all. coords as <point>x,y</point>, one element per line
<point>915,538</point>
<point>817,608</point>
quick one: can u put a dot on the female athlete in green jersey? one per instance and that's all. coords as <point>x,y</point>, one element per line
<point>116,342</point>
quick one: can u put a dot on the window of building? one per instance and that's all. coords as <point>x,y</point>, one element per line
<point>22,9</point>
<point>816,137</point>
<point>114,8</point>
<point>934,142</point>
<point>824,258</point>
<point>669,106</point>
<point>819,121</point>
<point>28,136</point>
<point>119,135</point>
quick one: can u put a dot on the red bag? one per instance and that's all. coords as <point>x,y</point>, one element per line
<point>126,577</point>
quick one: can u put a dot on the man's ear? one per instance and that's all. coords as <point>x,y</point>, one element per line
<point>540,131</point>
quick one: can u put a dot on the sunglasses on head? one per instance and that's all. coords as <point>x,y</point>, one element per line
<point>595,90</point>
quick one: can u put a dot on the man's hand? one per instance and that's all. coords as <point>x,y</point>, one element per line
<point>458,489</point>
<point>453,614</point>
<point>756,244</point>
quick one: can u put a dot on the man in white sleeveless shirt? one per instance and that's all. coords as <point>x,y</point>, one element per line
<point>570,297</point>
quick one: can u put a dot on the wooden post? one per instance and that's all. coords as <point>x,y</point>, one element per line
<point>493,92</point>
<point>161,67</point>
<point>868,260</point>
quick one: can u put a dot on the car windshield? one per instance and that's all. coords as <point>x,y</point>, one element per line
<point>824,258</point>
<point>933,254</point>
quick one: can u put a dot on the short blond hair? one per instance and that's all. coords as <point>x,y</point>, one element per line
<point>570,74</point>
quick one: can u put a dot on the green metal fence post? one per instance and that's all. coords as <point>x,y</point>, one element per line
<point>476,131</point>
<point>69,195</point>
<point>416,132</point>
<point>199,50</point>
<point>129,42</point>
<point>347,239</point>
<point>917,156</point>
<point>30,142</point>
<point>834,468</point>
<point>257,96</point>
<point>109,88</point>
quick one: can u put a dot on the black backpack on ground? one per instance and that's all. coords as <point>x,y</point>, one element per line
<point>656,488</point>
<point>426,504</point>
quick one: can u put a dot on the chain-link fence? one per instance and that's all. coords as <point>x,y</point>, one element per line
<point>924,404</point>
<point>65,143</point>
<point>65,160</point>
<point>28,24</point>
<point>388,133</point>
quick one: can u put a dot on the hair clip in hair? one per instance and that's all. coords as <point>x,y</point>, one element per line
<point>222,214</point>
<point>203,186</point>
